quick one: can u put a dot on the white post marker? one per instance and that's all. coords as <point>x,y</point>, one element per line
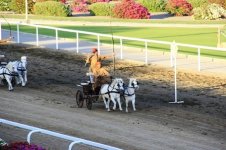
<point>37,40</point>
<point>18,33</point>
<point>98,42</point>
<point>57,46</point>
<point>171,54</point>
<point>0,30</point>
<point>199,60</point>
<point>26,10</point>
<point>174,50</point>
<point>77,42</point>
<point>121,56</point>
<point>146,53</point>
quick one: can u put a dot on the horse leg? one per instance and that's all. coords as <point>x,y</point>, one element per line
<point>119,103</point>
<point>127,104</point>
<point>22,79</point>
<point>8,79</point>
<point>105,102</point>
<point>25,77</point>
<point>133,102</point>
<point>114,102</point>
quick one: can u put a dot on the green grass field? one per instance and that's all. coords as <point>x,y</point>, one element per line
<point>195,36</point>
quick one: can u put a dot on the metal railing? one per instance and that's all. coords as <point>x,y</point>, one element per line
<point>74,140</point>
<point>120,38</point>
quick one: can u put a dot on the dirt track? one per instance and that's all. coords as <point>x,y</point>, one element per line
<point>48,102</point>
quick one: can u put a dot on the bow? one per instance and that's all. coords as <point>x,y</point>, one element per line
<point>112,39</point>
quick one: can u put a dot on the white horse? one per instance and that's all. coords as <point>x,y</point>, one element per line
<point>111,92</point>
<point>20,68</point>
<point>129,93</point>
<point>6,74</point>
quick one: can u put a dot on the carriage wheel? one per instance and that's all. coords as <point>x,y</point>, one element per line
<point>89,102</point>
<point>79,99</point>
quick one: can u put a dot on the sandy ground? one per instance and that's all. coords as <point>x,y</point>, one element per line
<point>48,101</point>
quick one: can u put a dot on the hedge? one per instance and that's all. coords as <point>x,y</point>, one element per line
<point>101,9</point>
<point>4,5</point>
<point>52,8</point>
<point>19,6</point>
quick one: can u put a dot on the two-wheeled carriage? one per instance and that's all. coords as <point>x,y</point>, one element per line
<point>88,93</point>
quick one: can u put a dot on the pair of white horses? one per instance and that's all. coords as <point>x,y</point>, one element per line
<point>113,92</point>
<point>17,69</point>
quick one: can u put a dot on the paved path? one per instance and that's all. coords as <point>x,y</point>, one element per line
<point>208,65</point>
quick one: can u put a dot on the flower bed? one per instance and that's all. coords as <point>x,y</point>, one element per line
<point>20,146</point>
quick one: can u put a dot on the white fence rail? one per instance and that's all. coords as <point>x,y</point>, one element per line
<point>120,38</point>
<point>74,140</point>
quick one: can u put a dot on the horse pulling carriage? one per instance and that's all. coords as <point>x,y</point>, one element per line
<point>90,94</point>
<point>13,72</point>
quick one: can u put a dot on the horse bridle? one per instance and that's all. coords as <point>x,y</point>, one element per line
<point>133,86</point>
<point>113,88</point>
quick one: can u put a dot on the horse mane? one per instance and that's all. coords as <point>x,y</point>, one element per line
<point>10,66</point>
<point>114,81</point>
<point>131,80</point>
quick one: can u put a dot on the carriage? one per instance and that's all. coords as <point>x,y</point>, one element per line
<point>87,93</point>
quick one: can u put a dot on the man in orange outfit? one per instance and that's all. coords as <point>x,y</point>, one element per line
<point>101,76</point>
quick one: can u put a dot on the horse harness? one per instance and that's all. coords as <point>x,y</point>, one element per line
<point>5,72</point>
<point>113,90</point>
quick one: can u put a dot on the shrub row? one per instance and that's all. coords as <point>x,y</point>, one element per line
<point>179,7</point>
<point>129,9</point>
<point>52,8</point>
<point>101,9</point>
<point>18,6</point>
<point>154,5</point>
<point>4,5</point>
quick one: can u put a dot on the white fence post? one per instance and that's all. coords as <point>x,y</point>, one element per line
<point>199,59</point>
<point>121,56</point>
<point>171,54</point>
<point>72,144</point>
<point>18,33</point>
<point>174,50</point>
<point>57,46</point>
<point>98,42</point>
<point>37,40</point>
<point>29,135</point>
<point>0,30</point>
<point>77,42</point>
<point>146,52</point>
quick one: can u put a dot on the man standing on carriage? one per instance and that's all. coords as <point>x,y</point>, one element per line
<point>101,75</point>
